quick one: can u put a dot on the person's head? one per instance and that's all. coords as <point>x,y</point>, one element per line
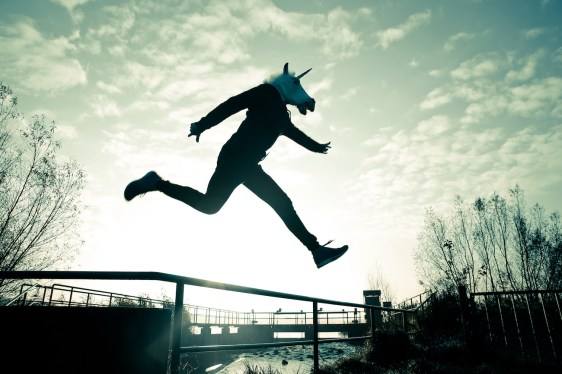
<point>291,91</point>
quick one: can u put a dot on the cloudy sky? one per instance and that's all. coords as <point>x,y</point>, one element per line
<point>422,101</point>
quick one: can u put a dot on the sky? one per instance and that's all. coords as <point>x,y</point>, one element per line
<point>421,101</point>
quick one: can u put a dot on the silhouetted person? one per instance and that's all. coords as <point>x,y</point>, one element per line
<point>239,160</point>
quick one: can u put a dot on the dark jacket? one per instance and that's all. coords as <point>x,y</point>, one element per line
<point>266,119</point>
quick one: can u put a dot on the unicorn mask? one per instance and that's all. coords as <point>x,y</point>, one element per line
<point>291,91</point>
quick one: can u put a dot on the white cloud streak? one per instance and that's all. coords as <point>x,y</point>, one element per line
<point>394,34</point>
<point>452,42</point>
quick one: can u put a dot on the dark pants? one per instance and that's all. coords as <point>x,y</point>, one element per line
<point>228,175</point>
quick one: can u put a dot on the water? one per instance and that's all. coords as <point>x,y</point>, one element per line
<point>297,359</point>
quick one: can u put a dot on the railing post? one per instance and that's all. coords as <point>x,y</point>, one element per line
<point>315,334</point>
<point>466,320</point>
<point>176,333</point>
<point>373,324</point>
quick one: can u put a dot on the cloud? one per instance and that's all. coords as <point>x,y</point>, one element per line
<point>119,20</point>
<point>532,33</point>
<point>339,39</point>
<point>393,34</point>
<point>538,99</point>
<point>434,126</point>
<point>71,5</point>
<point>557,55</point>
<point>67,132</point>
<point>222,31</point>
<point>105,107</point>
<point>109,88</point>
<point>37,63</point>
<point>435,73</point>
<point>478,82</point>
<point>528,67</point>
<point>191,52</point>
<point>451,43</point>
<point>436,98</point>
<point>439,158</point>
<point>180,89</point>
<point>542,97</point>
<point>477,67</point>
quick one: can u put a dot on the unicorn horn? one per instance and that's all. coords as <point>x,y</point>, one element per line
<point>303,74</point>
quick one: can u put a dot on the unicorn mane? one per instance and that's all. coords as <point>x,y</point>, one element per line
<point>274,76</point>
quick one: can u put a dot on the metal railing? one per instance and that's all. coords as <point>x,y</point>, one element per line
<point>526,323</point>
<point>67,295</point>
<point>417,301</point>
<point>408,322</point>
<point>181,282</point>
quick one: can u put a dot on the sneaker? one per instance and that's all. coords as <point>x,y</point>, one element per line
<point>324,255</point>
<point>142,185</point>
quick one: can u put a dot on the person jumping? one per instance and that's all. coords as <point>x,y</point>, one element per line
<point>267,117</point>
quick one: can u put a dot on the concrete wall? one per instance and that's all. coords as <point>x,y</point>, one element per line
<point>84,340</point>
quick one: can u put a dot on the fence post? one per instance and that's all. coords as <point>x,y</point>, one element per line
<point>466,321</point>
<point>315,334</point>
<point>176,333</point>
<point>373,324</point>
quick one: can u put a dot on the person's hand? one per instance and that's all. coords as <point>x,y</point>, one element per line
<point>323,148</point>
<point>194,130</point>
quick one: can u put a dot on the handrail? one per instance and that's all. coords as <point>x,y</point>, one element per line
<point>514,292</point>
<point>403,305</point>
<point>181,281</point>
<point>23,293</point>
<point>166,277</point>
<point>210,315</point>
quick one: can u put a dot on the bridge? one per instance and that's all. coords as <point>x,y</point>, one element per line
<point>147,336</point>
<point>206,326</point>
<point>214,326</point>
<point>210,326</point>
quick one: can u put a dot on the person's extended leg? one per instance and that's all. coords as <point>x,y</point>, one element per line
<point>263,186</point>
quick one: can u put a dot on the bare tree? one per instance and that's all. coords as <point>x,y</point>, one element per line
<point>440,264</point>
<point>39,195</point>
<point>377,280</point>
<point>492,244</point>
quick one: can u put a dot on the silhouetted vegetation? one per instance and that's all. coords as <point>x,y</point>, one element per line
<point>491,244</point>
<point>39,195</point>
<point>439,346</point>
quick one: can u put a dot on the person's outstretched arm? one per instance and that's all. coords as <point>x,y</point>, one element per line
<point>299,137</point>
<point>224,110</point>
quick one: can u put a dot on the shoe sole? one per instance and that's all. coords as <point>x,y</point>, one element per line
<point>332,259</point>
<point>129,192</point>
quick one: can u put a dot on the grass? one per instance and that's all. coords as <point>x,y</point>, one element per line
<point>250,368</point>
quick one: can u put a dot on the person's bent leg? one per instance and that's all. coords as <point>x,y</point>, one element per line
<point>263,186</point>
